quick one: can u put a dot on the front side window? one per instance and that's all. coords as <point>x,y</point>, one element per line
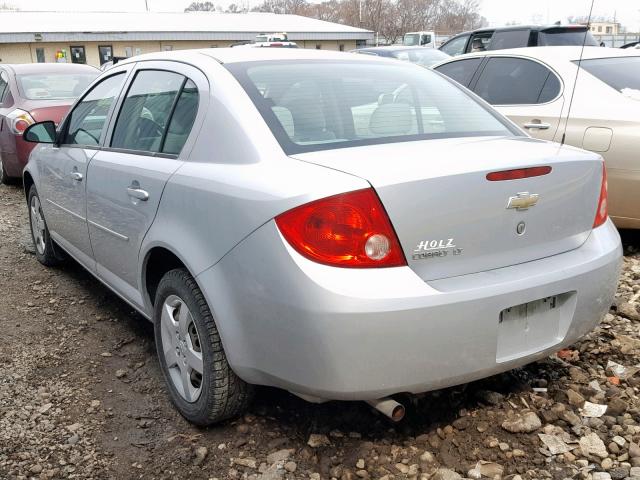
<point>455,46</point>
<point>87,120</point>
<point>157,113</point>
<point>318,105</point>
<point>621,73</point>
<point>516,81</point>
<point>461,70</point>
<point>4,84</point>
<point>54,86</point>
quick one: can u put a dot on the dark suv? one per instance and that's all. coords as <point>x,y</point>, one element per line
<point>516,37</point>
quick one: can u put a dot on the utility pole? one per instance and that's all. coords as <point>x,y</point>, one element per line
<point>146,5</point>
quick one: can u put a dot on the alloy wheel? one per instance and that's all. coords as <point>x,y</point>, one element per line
<point>181,348</point>
<point>38,226</point>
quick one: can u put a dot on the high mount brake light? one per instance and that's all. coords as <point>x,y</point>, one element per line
<point>347,230</point>
<point>518,173</point>
<point>603,205</point>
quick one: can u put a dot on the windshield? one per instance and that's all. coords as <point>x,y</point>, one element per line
<point>563,36</point>
<point>621,73</point>
<point>411,39</point>
<point>54,86</point>
<point>423,56</point>
<point>320,105</point>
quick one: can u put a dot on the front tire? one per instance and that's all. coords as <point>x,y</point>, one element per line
<point>200,381</point>
<point>44,247</point>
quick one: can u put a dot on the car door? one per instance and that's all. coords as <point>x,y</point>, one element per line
<point>63,167</point>
<point>526,91</point>
<point>126,178</point>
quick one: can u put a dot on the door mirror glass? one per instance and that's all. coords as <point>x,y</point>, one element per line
<point>41,132</point>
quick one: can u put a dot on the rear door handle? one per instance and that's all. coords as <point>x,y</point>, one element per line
<point>538,126</point>
<point>77,176</point>
<point>138,193</point>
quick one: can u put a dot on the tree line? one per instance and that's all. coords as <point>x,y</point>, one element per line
<point>389,18</point>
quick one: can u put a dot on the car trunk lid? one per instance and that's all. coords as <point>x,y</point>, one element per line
<point>451,220</point>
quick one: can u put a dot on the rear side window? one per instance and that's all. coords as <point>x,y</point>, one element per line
<point>320,105</point>
<point>564,36</point>
<point>516,81</point>
<point>146,119</point>
<point>87,120</point>
<point>509,39</point>
<point>621,73</point>
<point>461,70</point>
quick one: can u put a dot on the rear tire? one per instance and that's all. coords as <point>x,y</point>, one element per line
<point>45,249</point>
<point>199,379</point>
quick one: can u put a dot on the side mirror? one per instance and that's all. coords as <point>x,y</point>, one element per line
<point>41,132</point>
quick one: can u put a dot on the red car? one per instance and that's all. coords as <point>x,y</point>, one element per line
<point>32,93</point>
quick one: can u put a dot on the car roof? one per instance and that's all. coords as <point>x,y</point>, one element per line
<point>554,54</point>
<point>536,28</point>
<point>238,55</point>
<point>39,68</point>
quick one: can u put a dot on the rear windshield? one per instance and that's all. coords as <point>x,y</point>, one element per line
<point>563,36</point>
<point>320,105</point>
<point>621,73</point>
<point>54,86</point>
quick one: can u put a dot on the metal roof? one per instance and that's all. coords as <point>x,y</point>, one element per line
<point>21,27</point>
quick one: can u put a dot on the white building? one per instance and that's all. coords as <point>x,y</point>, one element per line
<point>94,38</point>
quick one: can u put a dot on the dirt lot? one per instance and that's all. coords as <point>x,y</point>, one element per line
<point>81,396</point>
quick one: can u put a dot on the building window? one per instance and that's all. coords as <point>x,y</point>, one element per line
<point>40,55</point>
<point>600,28</point>
<point>78,55</point>
<point>106,53</point>
<point>341,47</point>
<point>609,29</point>
<point>318,46</point>
<point>167,48</point>
<point>128,52</point>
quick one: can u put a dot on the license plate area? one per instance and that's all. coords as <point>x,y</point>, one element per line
<point>533,326</point>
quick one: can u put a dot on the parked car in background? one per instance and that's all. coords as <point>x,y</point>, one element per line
<point>631,45</point>
<point>340,226</point>
<point>420,55</point>
<point>534,87</point>
<point>32,93</point>
<point>419,39</point>
<point>518,36</point>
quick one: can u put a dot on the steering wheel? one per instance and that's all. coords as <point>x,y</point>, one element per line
<point>149,128</point>
<point>87,132</point>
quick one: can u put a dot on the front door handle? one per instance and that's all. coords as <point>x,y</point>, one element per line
<point>538,126</point>
<point>138,193</point>
<point>77,176</point>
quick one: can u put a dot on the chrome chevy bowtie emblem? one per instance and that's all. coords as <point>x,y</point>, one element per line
<point>523,200</point>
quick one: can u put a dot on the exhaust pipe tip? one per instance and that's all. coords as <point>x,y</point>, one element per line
<point>389,408</point>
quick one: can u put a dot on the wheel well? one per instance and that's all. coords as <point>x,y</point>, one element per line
<point>28,182</point>
<point>159,262</point>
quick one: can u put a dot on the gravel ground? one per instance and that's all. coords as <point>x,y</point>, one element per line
<point>81,396</point>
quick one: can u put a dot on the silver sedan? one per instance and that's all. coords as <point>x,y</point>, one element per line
<point>339,226</point>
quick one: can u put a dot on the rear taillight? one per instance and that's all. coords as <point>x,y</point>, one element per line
<point>347,230</point>
<point>603,205</point>
<point>19,120</point>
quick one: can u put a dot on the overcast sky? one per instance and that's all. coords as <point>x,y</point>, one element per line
<point>497,12</point>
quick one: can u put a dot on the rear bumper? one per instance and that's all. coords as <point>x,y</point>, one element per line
<point>16,155</point>
<point>349,334</point>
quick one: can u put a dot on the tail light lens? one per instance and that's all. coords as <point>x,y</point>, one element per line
<point>603,205</point>
<point>19,120</point>
<point>347,230</point>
